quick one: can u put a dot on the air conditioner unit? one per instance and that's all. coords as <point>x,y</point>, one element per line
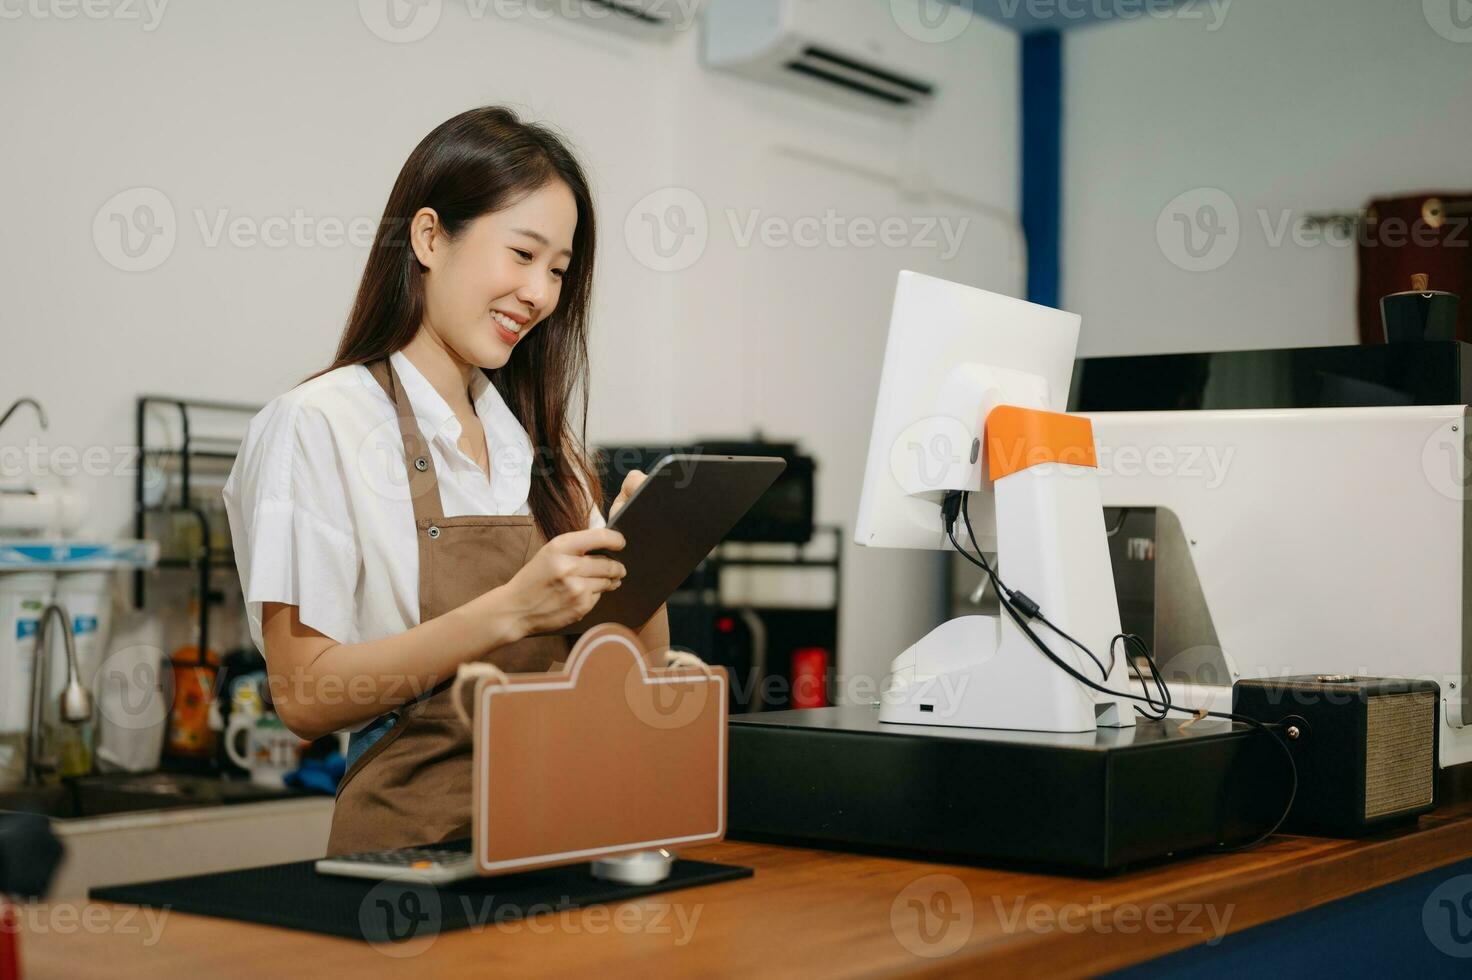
<point>637,18</point>
<point>849,50</point>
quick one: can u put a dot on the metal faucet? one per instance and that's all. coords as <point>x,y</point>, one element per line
<point>76,700</point>
<point>40,412</point>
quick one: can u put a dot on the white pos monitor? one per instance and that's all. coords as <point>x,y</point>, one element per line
<point>954,352</point>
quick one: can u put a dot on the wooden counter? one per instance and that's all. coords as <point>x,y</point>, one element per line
<point>814,912</point>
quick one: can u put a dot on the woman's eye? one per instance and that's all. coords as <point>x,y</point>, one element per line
<point>559,273</point>
<point>523,254</point>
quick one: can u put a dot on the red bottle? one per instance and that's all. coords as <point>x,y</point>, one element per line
<point>9,942</point>
<point>810,678</point>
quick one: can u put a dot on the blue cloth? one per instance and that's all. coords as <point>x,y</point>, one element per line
<point>318,775</point>
<point>359,741</point>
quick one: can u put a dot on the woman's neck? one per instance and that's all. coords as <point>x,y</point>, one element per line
<point>449,375</point>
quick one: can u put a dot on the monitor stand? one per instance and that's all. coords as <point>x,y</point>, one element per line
<point>983,671</point>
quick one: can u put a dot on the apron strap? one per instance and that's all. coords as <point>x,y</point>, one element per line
<point>424,488</point>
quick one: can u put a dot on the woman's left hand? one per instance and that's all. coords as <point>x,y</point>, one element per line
<point>655,634</point>
<point>631,483</point>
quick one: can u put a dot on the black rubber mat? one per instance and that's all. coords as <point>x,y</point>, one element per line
<point>295,896</point>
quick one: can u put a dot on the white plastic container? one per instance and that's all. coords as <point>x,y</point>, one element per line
<point>132,696</point>
<point>55,512</point>
<point>87,598</point>
<point>23,596</point>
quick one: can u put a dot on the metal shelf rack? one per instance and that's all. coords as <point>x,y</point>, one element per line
<point>191,446</point>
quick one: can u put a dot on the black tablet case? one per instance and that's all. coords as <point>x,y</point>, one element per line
<point>681,512</point>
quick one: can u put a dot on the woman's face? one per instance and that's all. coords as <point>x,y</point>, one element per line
<point>490,287</point>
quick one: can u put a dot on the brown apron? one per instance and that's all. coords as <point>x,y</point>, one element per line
<point>413,785</point>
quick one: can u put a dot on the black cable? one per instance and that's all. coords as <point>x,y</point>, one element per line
<point>1024,606</point>
<point>1162,706</point>
<point>1124,513</point>
<point>1036,612</point>
<point>1009,601</point>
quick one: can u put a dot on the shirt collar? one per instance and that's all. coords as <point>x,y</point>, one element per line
<point>435,417</point>
<point>511,449</point>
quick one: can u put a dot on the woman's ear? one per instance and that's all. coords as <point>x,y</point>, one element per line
<point>425,237</point>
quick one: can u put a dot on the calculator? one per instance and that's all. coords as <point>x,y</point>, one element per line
<point>441,864</point>
<point>432,864</point>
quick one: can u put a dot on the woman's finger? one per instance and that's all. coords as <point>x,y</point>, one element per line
<point>631,483</point>
<point>594,566</point>
<point>581,542</point>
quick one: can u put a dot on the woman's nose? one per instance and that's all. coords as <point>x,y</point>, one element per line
<point>533,292</point>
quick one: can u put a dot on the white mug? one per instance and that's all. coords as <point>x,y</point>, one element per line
<point>271,750</point>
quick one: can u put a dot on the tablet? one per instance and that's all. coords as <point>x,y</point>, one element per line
<point>671,524</point>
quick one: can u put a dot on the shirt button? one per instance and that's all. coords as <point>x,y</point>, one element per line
<point>421,464</point>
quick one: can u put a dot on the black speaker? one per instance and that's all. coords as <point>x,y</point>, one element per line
<point>1365,747</point>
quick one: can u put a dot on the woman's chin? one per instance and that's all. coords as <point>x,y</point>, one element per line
<point>490,355</point>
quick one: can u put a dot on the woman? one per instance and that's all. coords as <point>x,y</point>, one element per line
<point>391,518</point>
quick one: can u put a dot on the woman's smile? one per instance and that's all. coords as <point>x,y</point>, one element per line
<point>508,327</point>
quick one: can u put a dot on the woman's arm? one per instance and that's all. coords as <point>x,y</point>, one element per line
<point>654,636</point>
<point>319,685</point>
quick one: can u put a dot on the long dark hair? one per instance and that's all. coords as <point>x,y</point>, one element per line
<point>476,163</point>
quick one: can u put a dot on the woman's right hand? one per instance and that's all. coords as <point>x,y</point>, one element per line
<point>562,582</point>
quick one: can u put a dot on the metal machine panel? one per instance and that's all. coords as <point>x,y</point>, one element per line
<point>1325,540</point>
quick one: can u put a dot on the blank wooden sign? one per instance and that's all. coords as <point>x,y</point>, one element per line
<point>606,756</point>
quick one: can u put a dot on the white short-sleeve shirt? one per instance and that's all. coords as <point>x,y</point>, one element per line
<point>319,505</point>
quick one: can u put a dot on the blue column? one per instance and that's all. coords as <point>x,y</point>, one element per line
<point>1042,162</point>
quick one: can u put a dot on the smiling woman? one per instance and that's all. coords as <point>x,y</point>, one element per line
<point>489,213</point>
<point>424,502</point>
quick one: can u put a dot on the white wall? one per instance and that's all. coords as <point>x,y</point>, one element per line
<point>1289,106</point>
<point>261,109</point>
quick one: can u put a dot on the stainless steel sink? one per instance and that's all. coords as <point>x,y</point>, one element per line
<point>95,796</point>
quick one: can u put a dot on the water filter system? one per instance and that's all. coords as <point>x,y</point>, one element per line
<point>86,598</point>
